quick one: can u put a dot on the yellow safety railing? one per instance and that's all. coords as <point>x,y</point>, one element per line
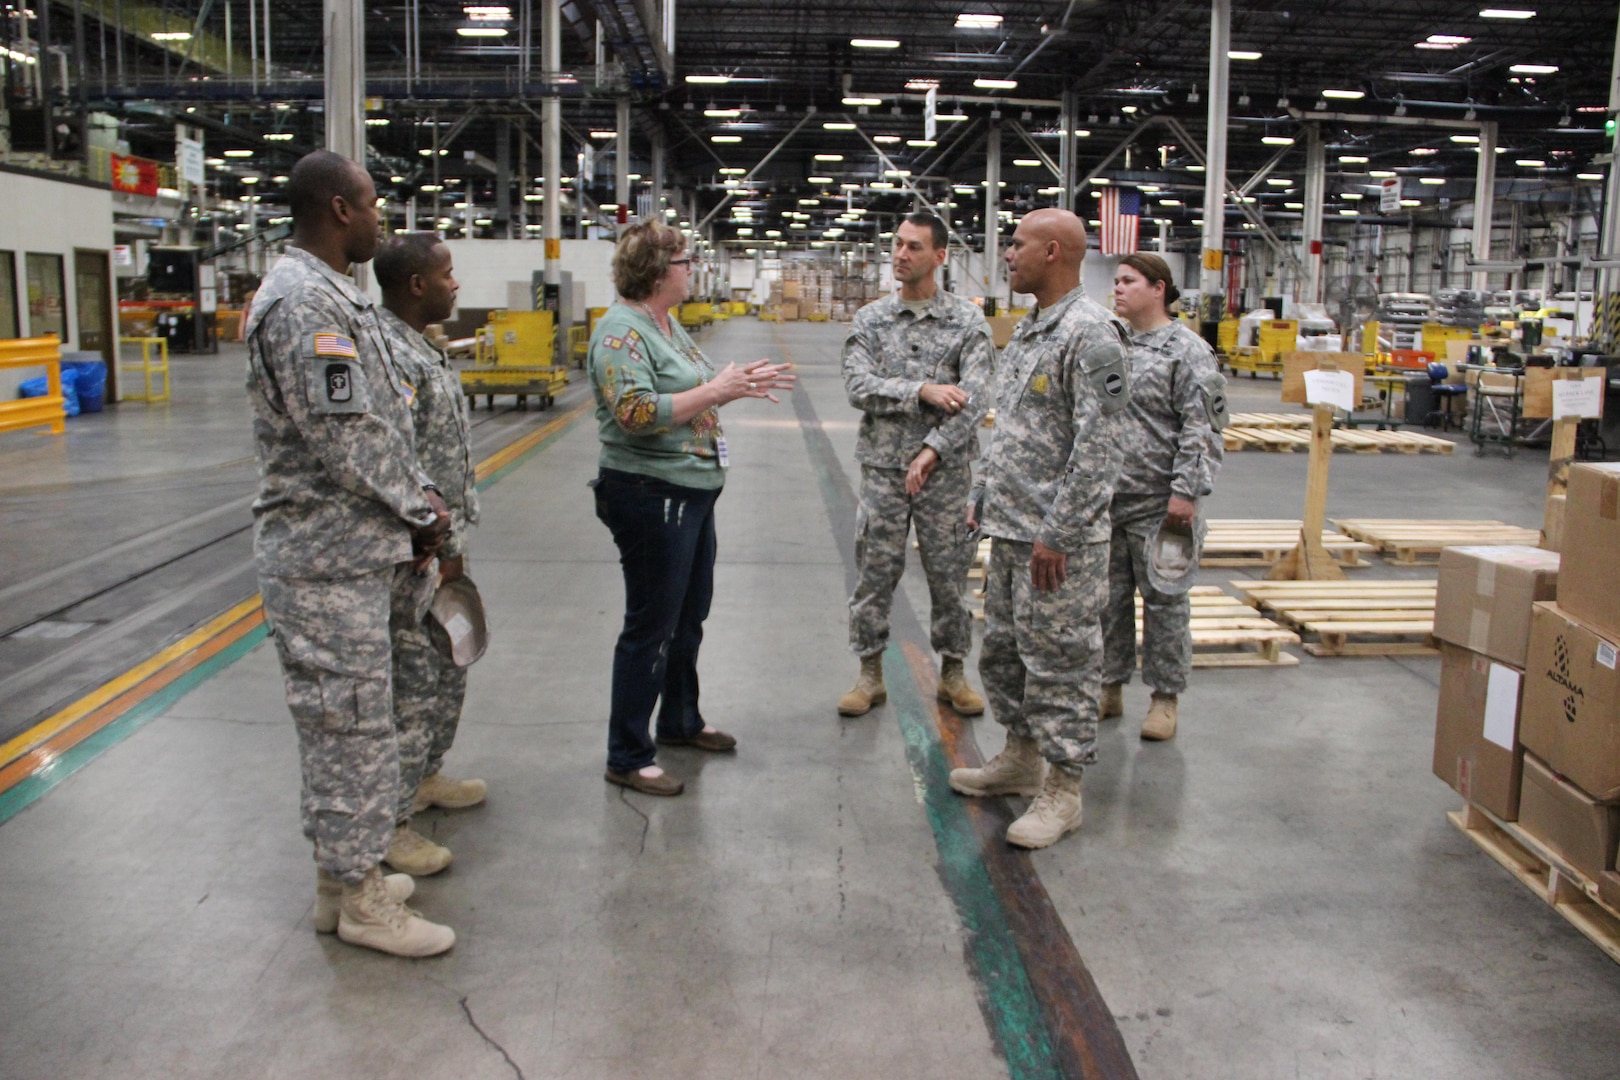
<point>147,368</point>
<point>44,411</point>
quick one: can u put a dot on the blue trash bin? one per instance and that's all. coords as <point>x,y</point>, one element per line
<point>87,372</point>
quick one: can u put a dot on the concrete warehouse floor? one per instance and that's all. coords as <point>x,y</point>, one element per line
<point>1276,893</point>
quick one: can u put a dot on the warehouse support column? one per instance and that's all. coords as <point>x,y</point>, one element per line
<point>345,78</point>
<point>503,179</point>
<point>1211,280</point>
<point>1484,200</point>
<point>551,140</point>
<point>1608,305</point>
<point>621,157</point>
<point>992,216</point>
<point>1311,228</point>
<point>1067,121</point>
<point>656,211</point>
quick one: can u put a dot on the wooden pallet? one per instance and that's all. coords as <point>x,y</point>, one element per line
<point>1264,541</point>
<point>1269,420</point>
<point>1565,889</point>
<point>1346,440</point>
<point>1419,541</point>
<point>1388,618</point>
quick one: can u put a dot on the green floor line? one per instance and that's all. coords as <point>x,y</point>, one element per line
<point>31,790</point>
<point>1020,1026</point>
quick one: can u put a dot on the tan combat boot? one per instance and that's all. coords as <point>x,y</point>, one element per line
<point>329,897</point>
<point>1113,700</point>
<point>447,794</point>
<point>868,689</point>
<point>1014,771</point>
<point>411,853</point>
<point>954,688</point>
<point>369,916</point>
<point>1055,811</point>
<point>1161,718</point>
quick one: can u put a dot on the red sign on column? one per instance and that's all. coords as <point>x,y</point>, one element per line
<point>137,176</point>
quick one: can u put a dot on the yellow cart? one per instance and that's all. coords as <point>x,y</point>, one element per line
<point>515,354</point>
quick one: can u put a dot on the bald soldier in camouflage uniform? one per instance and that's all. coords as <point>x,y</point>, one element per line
<point>419,287</point>
<point>918,364</point>
<point>342,503</point>
<point>1173,450</point>
<point>1042,495</point>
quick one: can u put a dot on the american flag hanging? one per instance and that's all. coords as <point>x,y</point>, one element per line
<point>1121,213</point>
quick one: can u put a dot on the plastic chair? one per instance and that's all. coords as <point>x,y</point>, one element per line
<point>1444,394</point>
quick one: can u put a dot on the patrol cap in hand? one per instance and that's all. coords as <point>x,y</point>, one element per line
<point>459,608</point>
<point>1172,556</point>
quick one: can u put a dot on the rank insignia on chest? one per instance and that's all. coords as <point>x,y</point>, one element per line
<point>339,384</point>
<point>334,345</point>
<point>1038,384</point>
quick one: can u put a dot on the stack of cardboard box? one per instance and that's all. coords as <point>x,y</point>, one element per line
<point>1546,638</point>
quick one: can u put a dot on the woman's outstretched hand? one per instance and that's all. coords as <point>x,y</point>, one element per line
<point>753,380</point>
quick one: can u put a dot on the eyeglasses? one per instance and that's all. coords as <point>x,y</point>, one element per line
<point>680,262</point>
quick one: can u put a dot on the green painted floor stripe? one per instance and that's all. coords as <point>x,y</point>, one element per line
<point>25,794</point>
<point>31,790</point>
<point>992,948</point>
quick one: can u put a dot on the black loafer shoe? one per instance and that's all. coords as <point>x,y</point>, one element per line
<point>647,785</point>
<point>714,741</point>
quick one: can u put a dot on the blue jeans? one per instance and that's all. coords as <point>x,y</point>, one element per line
<point>665,536</point>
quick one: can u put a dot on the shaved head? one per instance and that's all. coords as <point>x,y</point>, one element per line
<point>1044,256</point>
<point>1062,226</point>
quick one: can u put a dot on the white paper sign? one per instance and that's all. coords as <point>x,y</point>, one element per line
<point>1389,195</point>
<point>1581,398</point>
<point>1336,388</point>
<point>931,113</point>
<point>1501,705</point>
<point>189,161</point>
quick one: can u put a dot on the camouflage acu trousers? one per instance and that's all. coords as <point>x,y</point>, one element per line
<point>882,524</point>
<point>332,639</point>
<point>1041,656</point>
<point>1166,619</point>
<point>428,692</point>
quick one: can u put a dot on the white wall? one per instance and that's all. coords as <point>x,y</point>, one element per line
<point>485,268</point>
<point>51,217</point>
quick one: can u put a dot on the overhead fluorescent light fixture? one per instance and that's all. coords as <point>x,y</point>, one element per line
<point>1169,202</point>
<point>883,185</point>
<point>1471,139</point>
<point>481,31</point>
<point>886,139</point>
<point>921,143</point>
<point>922,84</point>
<point>725,138</point>
<point>974,21</point>
<point>1351,195</point>
<point>996,84</point>
<point>1424,151</point>
<point>278,136</point>
<point>1195,168</point>
<point>819,179</point>
<point>604,134</point>
<point>1588,176</point>
<point>239,153</point>
<point>1027,163</point>
<point>1242,54</point>
<point>708,80</point>
<point>874,43</point>
<point>733,171</point>
<point>1293,206</point>
<point>1535,69</point>
<point>1380,174</point>
<point>1432,181</point>
<point>1345,211</point>
<point>488,13</point>
<point>172,35</point>
<point>718,113</point>
<point>1352,159</point>
<point>1530,163</point>
<point>1345,95</point>
<point>829,157</point>
<point>1273,181</point>
<point>1507,13</point>
<point>897,172</point>
<point>857,102</point>
<point>838,125</point>
<point>377,121</point>
<point>1277,140</point>
<point>950,118</point>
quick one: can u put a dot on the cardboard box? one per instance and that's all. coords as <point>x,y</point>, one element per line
<point>1485,595</point>
<point>1001,328</point>
<point>1591,541</point>
<point>1576,827</point>
<point>1296,364</point>
<point>1476,730</point>
<point>1570,716</point>
<point>791,290</point>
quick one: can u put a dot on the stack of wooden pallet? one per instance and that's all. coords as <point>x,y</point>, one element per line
<point>1269,420</point>
<point>1226,632</point>
<point>1263,541</point>
<point>1386,618</point>
<point>1289,439</point>
<point>1419,541</point>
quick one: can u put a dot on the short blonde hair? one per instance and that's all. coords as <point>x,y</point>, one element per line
<point>643,256</point>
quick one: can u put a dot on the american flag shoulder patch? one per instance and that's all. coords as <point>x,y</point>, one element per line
<point>335,345</point>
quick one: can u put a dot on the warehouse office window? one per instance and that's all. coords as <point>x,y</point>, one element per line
<point>47,304</point>
<point>8,295</point>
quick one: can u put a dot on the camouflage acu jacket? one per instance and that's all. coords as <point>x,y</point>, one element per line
<point>1172,444</point>
<point>443,429</point>
<point>888,356</point>
<point>339,486</point>
<point>1061,385</point>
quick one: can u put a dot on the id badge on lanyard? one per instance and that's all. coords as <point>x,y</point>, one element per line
<point>721,453</point>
